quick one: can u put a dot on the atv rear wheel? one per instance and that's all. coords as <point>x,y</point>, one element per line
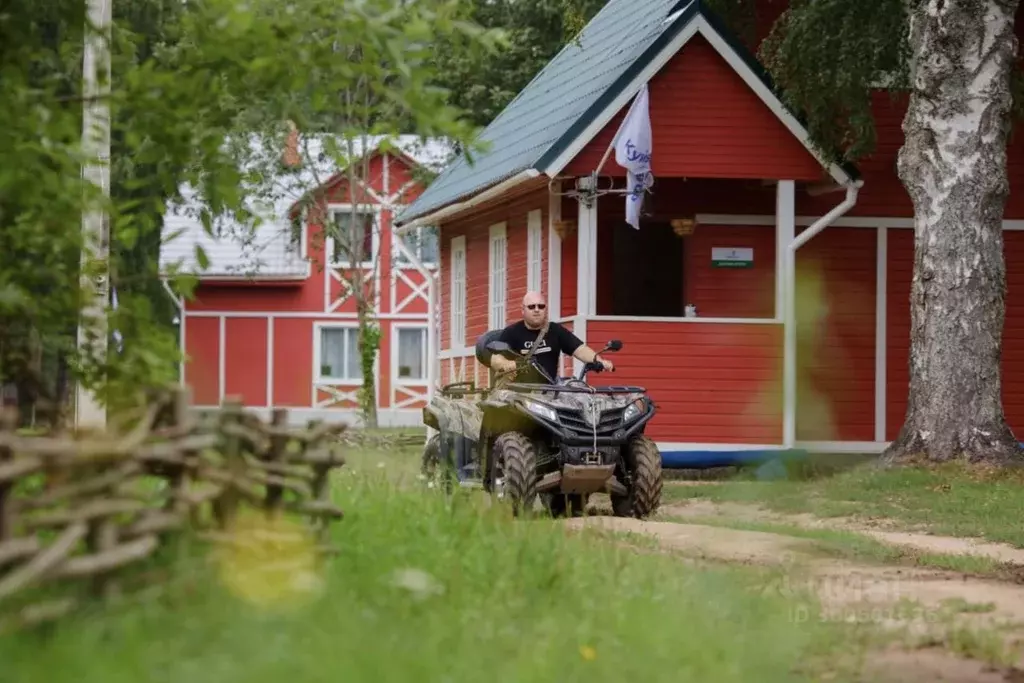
<point>516,468</point>
<point>644,462</point>
<point>437,470</point>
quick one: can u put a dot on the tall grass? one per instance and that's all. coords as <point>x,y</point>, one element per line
<point>427,589</point>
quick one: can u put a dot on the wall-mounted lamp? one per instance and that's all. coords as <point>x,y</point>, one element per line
<point>564,228</point>
<point>683,227</point>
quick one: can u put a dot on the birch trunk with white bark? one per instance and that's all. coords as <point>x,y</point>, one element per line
<point>953,165</point>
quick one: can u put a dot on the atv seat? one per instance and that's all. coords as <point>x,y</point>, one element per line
<point>482,354</point>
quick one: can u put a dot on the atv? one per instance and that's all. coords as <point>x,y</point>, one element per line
<point>558,439</point>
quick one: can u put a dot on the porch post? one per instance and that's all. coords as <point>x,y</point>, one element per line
<point>586,260</point>
<point>554,252</point>
<point>785,283</point>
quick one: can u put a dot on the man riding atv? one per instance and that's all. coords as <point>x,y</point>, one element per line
<point>544,341</point>
<point>534,433</point>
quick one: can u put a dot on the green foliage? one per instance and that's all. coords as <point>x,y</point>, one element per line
<point>826,54</point>
<point>369,344</point>
<point>189,82</point>
<point>483,79</point>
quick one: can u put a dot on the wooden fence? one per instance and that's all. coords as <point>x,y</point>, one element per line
<point>82,512</point>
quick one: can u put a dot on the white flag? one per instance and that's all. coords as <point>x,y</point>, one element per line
<point>633,147</point>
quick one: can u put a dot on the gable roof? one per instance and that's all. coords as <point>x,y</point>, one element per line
<point>585,85</point>
<point>266,250</point>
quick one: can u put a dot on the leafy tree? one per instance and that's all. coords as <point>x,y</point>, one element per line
<point>482,82</point>
<point>187,79</point>
<point>956,58</point>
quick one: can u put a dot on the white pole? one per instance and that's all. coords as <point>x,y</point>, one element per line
<point>95,229</point>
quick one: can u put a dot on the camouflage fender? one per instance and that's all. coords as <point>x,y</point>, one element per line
<point>457,416</point>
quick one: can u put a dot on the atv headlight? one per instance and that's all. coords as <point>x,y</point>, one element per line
<point>633,410</point>
<point>541,410</point>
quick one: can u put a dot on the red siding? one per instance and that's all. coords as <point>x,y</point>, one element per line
<point>883,193</point>
<point>730,292</point>
<point>245,366</point>
<point>475,228</point>
<point>202,345</point>
<point>1013,333</point>
<point>900,272</point>
<point>707,122</point>
<point>570,211</point>
<point>293,362</point>
<point>712,383</point>
<point>836,275</point>
<point>257,299</point>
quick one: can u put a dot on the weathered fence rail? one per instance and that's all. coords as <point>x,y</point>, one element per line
<point>74,511</point>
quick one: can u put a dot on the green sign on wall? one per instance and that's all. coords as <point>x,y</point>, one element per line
<point>732,257</point>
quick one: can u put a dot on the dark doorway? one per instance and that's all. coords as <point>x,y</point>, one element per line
<point>647,271</point>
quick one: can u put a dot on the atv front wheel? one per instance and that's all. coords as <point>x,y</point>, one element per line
<point>644,497</point>
<point>516,461</point>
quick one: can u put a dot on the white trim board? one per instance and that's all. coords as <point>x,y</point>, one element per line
<point>766,220</point>
<point>881,329</point>
<point>697,24</point>
<point>698,319</point>
<point>852,447</point>
<point>554,253</point>
<point>333,317</point>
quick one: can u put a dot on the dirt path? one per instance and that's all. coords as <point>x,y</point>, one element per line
<point>880,530</point>
<point>921,605</point>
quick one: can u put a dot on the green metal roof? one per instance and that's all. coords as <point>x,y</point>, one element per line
<point>568,94</point>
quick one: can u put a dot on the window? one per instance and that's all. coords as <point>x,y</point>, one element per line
<point>339,354</point>
<point>412,354</point>
<point>534,235</point>
<point>423,243</point>
<point>353,239</point>
<point>498,265</point>
<point>458,292</point>
<point>297,232</point>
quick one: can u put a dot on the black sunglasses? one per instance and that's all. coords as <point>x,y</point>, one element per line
<point>536,307</point>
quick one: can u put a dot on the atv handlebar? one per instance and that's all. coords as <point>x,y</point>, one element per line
<point>506,351</point>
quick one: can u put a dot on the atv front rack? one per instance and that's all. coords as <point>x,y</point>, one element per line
<point>575,390</point>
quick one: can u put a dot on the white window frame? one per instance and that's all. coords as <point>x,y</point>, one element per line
<point>318,329</point>
<point>497,286</point>
<point>534,251</point>
<point>457,296</point>
<point>375,210</point>
<point>407,381</point>
<point>396,253</point>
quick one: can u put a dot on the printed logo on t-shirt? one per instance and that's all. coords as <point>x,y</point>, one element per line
<point>542,347</point>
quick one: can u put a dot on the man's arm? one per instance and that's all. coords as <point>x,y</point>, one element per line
<point>579,350</point>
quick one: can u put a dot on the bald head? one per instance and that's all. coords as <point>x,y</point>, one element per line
<point>534,310</point>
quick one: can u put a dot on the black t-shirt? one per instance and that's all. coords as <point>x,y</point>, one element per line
<point>555,342</point>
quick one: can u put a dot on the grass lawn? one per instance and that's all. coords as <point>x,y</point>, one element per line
<point>426,589</point>
<point>946,500</point>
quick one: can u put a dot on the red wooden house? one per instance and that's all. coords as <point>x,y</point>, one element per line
<point>272,320</point>
<point>799,270</point>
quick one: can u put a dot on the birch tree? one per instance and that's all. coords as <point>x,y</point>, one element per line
<point>957,60</point>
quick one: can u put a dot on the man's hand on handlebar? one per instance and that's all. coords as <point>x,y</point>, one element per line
<point>502,364</point>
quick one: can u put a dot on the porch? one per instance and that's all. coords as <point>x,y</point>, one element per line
<point>749,341</point>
